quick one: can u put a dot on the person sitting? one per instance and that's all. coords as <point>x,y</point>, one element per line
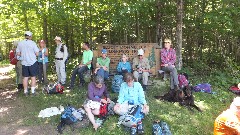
<point>228,123</point>
<point>131,93</point>
<point>141,68</point>
<point>83,66</point>
<point>96,91</point>
<point>103,65</point>
<point>124,66</point>
<point>168,59</point>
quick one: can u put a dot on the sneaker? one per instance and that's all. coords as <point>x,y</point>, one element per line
<point>140,128</point>
<point>133,130</point>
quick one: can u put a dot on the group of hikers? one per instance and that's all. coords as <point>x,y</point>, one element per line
<point>131,91</point>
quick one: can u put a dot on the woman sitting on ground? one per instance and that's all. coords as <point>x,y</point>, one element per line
<point>131,93</point>
<point>97,91</point>
<point>124,66</point>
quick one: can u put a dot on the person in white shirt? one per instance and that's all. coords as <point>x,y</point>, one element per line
<point>28,51</point>
<point>61,55</point>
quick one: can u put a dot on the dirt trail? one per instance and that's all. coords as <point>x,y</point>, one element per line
<point>12,109</point>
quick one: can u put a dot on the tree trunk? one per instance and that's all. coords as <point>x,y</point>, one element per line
<point>179,34</point>
<point>159,24</point>
<point>45,37</point>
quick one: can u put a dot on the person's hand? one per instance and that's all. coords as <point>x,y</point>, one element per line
<point>96,70</point>
<point>80,65</point>
<point>108,100</point>
<point>104,101</point>
<point>165,65</point>
<point>145,109</point>
<point>105,68</point>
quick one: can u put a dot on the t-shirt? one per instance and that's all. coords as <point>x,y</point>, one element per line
<point>28,50</point>
<point>40,56</point>
<point>87,56</point>
<point>104,62</point>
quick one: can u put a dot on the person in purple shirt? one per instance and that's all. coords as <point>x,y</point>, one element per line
<point>97,91</point>
<point>168,59</point>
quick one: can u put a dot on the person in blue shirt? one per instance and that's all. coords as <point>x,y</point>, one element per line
<point>131,93</point>
<point>124,66</point>
<point>42,58</point>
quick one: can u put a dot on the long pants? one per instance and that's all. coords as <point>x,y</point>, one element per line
<point>19,72</point>
<point>61,72</point>
<point>40,74</point>
<point>80,72</point>
<point>143,76</point>
<point>104,74</point>
<point>173,75</point>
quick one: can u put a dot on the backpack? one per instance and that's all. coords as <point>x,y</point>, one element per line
<point>132,117</point>
<point>12,57</point>
<point>183,80</point>
<point>103,110</point>
<point>53,89</point>
<point>71,116</point>
<point>235,89</point>
<point>156,128</point>
<point>116,83</point>
<point>165,128</point>
<point>203,87</point>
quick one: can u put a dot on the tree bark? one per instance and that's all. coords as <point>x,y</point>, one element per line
<point>179,34</point>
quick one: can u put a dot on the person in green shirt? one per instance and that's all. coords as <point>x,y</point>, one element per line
<point>102,65</point>
<point>83,66</point>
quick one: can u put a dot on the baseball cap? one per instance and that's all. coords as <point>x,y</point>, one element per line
<point>28,33</point>
<point>58,38</point>
<point>104,51</point>
<point>140,52</point>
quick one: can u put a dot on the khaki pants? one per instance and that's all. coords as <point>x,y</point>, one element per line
<point>19,72</point>
<point>60,69</point>
<point>143,76</point>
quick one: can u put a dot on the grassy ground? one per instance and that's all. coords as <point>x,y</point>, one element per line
<point>181,120</point>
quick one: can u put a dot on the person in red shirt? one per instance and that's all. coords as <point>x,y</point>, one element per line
<point>168,59</point>
<point>228,122</point>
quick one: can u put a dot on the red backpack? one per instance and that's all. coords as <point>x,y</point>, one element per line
<point>12,57</point>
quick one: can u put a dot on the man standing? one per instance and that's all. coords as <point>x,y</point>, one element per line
<point>61,55</point>
<point>141,68</point>
<point>168,59</point>
<point>83,66</point>
<point>28,51</point>
<point>103,65</point>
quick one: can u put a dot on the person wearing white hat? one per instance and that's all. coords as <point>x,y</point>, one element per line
<point>61,55</point>
<point>141,68</point>
<point>168,59</point>
<point>228,122</point>
<point>28,51</point>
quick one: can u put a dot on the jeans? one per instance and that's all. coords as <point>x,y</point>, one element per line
<point>173,75</point>
<point>104,74</point>
<point>80,72</point>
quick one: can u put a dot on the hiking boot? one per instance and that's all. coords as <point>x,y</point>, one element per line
<point>133,130</point>
<point>140,128</point>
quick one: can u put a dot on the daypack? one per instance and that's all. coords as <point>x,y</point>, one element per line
<point>53,89</point>
<point>161,128</point>
<point>132,117</point>
<point>203,87</point>
<point>116,83</point>
<point>235,89</point>
<point>103,110</point>
<point>71,116</point>
<point>12,57</point>
<point>183,80</point>
<point>165,128</point>
<point>156,128</point>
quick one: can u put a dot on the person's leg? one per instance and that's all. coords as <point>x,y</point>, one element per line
<point>73,77</point>
<point>136,75</point>
<point>100,72</point>
<point>62,72</point>
<point>33,73</point>
<point>122,109</point>
<point>91,116</point>
<point>106,74</point>
<point>58,70</point>
<point>81,71</point>
<point>145,80</point>
<point>173,75</point>
<point>25,74</point>
<point>40,74</point>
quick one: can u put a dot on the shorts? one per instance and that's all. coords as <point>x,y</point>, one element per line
<point>92,104</point>
<point>30,71</point>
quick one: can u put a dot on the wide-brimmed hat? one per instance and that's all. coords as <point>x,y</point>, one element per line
<point>28,33</point>
<point>58,38</point>
<point>140,52</point>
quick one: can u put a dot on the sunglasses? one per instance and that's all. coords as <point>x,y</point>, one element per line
<point>166,42</point>
<point>139,55</point>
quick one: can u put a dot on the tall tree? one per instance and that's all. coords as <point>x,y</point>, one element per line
<point>179,33</point>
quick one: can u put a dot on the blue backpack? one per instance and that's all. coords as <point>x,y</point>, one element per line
<point>156,129</point>
<point>161,128</point>
<point>116,83</point>
<point>67,115</point>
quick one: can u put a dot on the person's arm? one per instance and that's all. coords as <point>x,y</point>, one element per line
<point>173,58</point>
<point>36,49</point>
<point>147,66</point>
<point>105,92</point>
<point>65,53</point>
<point>98,64</point>
<point>46,52</point>
<point>163,57</point>
<point>91,93</point>
<point>121,94</point>
<point>119,69</point>
<point>134,64</point>
<point>107,64</point>
<point>129,67</point>
<point>141,96</point>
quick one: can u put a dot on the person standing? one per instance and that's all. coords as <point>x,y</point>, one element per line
<point>103,65</point>
<point>83,66</point>
<point>28,50</point>
<point>141,68</point>
<point>61,55</point>
<point>168,59</point>
<point>42,59</point>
